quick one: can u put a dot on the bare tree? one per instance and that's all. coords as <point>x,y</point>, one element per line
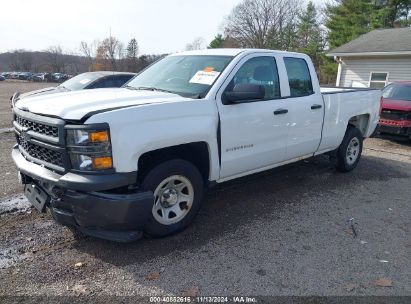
<point>88,50</point>
<point>56,58</point>
<point>262,23</point>
<point>21,60</point>
<point>198,44</point>
<point>113,49</point>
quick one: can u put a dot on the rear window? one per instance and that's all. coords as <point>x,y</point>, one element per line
<point>397,91</point>
<point>298,77</point>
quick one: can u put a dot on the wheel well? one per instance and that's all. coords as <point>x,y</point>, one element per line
<point>197,153</point>
<point>360,122</point>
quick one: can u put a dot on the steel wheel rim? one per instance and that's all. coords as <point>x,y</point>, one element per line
<point>353,151</point>
<point>173,199</point>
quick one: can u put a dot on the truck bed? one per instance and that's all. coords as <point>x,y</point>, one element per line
<point>341,104</point>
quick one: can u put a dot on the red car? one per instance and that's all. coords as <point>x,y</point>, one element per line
<point>396,110</point>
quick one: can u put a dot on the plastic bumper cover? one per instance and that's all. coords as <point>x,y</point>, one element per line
<point>79,201</point>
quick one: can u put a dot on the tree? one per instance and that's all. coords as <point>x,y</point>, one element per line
<point>132,55</point>
<point>197,44</point>
<point>109,53</point>
<point>88,50</point>
<point>56,58</point>
<point>309,34</point>
<point>263,23</point>
<point>217,42</point>
<point>348,19</point>
<point>21,60</point>
<point>391,11</point>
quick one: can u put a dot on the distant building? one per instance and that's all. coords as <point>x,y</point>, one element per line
<point>374,59</point>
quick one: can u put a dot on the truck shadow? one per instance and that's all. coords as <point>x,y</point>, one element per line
<point>262,196</point>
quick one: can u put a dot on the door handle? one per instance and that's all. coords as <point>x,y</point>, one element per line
<point>316,106</point>
<point>280,111</point>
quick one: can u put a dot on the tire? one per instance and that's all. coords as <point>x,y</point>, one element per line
<point>178,189</point>
<point>349,152</point>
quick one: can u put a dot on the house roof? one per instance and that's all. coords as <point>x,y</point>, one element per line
<point>395,41</point>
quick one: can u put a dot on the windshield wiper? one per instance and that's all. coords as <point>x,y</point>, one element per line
<point>154,89</point>
<point>130,87</point>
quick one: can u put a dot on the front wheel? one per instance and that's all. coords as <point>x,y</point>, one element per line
<point>178,190</point>
<point>349,153</point>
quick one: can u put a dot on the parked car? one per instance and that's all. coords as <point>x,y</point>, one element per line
<point>85,81</point>
<point>24,75</point>
<point>2,78</point>
<point>396,110</point>
<point>116,162</point>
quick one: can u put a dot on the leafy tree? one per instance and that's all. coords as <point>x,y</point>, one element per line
<point>132,55</point>
<point>310,38</point>
<point>391,11</point>
<point>348,19</point>
<point>217,42</point>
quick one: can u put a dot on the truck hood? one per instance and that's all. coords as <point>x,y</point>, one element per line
<point>400,105</point>
<point>77,104</point>
<point>49,90</point>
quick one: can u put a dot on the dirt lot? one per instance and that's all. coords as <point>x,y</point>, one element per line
<point>284,232</point>
<point>7,89</point>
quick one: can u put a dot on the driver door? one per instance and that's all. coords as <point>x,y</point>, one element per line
<point>253,132</point>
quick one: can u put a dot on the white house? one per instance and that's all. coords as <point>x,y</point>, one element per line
<point>374,59</point>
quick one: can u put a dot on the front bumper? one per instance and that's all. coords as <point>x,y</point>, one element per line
<point>80,200</point>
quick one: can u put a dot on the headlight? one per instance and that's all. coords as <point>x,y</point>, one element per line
<point>89,147</point>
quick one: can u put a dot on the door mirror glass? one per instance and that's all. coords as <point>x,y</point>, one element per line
<point>245,92</point>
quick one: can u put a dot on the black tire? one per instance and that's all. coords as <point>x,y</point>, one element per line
<point>343,163</point>
<point>156,176</point>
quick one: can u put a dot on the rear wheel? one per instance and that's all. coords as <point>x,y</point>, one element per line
<point>349,153</point>
<point>178,189</point>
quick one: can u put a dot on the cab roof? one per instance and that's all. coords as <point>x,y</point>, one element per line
<point>229,52</point>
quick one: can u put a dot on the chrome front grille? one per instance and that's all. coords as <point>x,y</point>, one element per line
<point>40,153</point>
<point>41,140</point>
<point>37,127</point>
<point>395,114</point>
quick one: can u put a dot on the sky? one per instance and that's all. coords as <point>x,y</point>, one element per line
<point>160,26</point>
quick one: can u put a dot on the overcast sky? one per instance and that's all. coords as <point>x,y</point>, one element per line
<point>160,26</point>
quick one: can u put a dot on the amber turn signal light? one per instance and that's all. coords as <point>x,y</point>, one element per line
<point>102,163</point>
<point>99,136</point>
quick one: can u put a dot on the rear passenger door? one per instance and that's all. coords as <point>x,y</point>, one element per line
<point>305,108</point>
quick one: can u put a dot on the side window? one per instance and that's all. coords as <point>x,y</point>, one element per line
<point>261,71</point>
<point>298,77</point>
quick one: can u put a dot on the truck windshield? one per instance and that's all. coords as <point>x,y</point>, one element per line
<point>397,91</point>
<point>189,76</point>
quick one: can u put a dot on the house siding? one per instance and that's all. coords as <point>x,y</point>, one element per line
<point>358,69</point>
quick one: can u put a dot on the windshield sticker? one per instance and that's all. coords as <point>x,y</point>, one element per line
<point>84,81</point>
<point>202,77</point>
<point>208,69</point>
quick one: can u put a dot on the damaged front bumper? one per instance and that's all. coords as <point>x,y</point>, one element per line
<point>89,203</point>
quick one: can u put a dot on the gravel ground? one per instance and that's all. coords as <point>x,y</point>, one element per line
<point>7,89</point>
<point>283,232</point>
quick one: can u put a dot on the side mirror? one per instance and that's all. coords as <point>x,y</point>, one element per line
<point>245,92</point>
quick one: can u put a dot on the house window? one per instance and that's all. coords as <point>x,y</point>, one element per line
<point>378,80</point>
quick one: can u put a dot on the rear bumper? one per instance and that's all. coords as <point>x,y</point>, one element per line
<point>81,200</point>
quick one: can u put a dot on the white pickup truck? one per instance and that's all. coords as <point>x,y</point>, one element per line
<point>119,162</point>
